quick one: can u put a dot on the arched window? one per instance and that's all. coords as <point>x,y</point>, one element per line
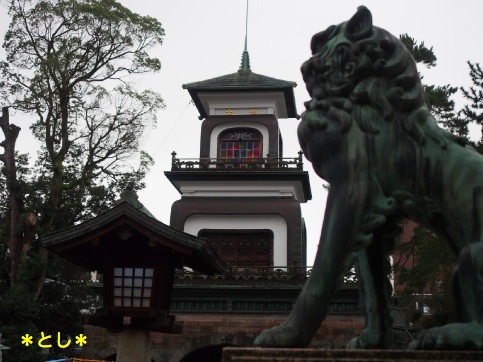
<point>240,143</point>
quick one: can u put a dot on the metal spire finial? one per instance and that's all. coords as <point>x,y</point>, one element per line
<point>245,63</point>
<point>246,28</point>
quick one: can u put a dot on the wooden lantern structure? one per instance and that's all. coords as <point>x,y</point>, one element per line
<point>137,255</point>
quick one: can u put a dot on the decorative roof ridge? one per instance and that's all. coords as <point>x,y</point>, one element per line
<point>245,63</point>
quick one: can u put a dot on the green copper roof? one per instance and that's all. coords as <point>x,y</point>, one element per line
<point>243,81</point>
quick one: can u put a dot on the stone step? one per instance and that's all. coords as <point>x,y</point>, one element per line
<point>240,354</point>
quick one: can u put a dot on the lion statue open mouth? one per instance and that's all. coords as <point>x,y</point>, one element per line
<point>368,132</point>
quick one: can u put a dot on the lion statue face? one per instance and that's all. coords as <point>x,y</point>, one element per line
<point>358,75</point>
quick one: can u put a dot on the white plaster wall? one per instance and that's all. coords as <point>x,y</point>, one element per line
<point>224,126</point>
<point>241,103</point>
<point>276,223</point>
<point>292,189</point>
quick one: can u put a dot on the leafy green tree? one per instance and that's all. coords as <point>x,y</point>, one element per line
<point>72,66</point>
<point>62,307</point>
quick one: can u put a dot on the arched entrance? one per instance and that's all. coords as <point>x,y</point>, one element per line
<point>211,353</point>
<point>209,348</point>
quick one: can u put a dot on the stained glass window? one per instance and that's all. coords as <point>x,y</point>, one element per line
<point>241,143</point>
<point>133,287</point>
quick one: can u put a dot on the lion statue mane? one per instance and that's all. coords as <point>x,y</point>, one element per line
<point>368,131</point>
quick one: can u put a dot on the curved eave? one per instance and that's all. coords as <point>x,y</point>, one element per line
<point>300,176</point>
<point>243,82</point>
<point>288,96</point>
<point>196,252</point>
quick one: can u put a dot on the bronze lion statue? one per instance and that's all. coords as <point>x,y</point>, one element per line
<point>368,132</point>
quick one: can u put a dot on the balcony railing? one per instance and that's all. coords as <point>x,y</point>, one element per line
<point>236,163</point>
<point>294,274</point>
<point>252,289</point>
<point>251,272</point>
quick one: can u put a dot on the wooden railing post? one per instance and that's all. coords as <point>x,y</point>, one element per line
<point>173,161</point>
<point>300,164</point>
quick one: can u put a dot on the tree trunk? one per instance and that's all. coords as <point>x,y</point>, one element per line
<point>21,231</point>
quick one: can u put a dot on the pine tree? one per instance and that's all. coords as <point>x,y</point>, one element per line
<point>474,111</point>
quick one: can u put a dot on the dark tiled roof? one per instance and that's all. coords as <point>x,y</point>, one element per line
<point>241,80</point>
<point>202,256</point>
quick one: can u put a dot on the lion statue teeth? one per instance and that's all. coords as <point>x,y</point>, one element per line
<point>368,132</point>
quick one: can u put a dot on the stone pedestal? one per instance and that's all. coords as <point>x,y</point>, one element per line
<point>134,345</point>
<point>235,354</point>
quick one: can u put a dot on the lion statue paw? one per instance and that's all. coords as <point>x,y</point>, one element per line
<point>455,336</point>
<point>281,336</point>
<point>368,340</point>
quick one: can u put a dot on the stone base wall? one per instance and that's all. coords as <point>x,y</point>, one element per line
<point>317,355</point>
<point>205,330</point>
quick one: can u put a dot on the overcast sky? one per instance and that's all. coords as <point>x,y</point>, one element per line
<point>205,39</point>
